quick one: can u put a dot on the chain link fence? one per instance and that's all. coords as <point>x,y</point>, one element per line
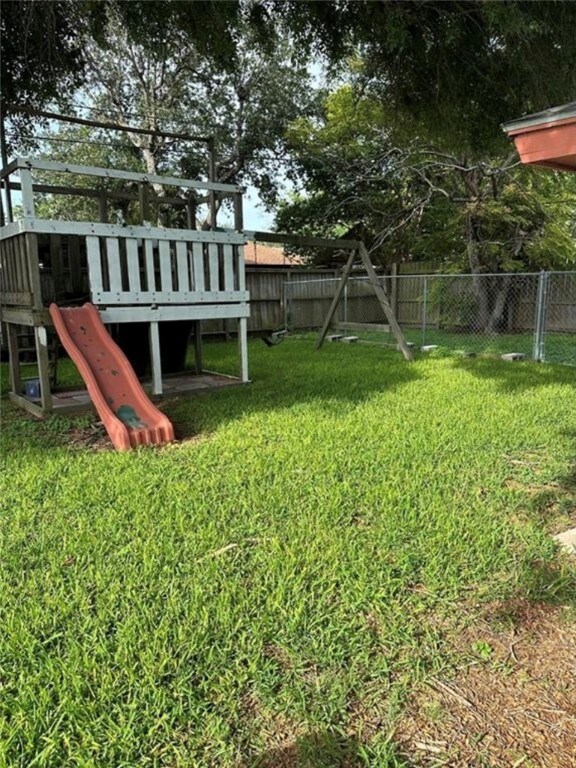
<point>530,314</point>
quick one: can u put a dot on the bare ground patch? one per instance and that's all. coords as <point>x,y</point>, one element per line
<point>513,703</point>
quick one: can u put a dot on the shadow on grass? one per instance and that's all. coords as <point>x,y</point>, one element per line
<point>516,377</point>
<point>289,375</point>
<point>320,749</point>
<point>293,375</point>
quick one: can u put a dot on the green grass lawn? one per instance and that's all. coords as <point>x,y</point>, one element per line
<point>271,587</point>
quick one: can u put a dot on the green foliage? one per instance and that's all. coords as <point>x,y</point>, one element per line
<point>41,53</point>
<point>454,70</point>
<point>363,503</point>
<point>361,171</point>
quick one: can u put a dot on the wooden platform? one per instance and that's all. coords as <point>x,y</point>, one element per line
<point>78,400</point>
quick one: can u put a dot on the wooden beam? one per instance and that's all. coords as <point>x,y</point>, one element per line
<point>336,299</point>
<point>23,316</point>
<point>198,347</point>
<point>14,359</point>
<point>384,303</point>
<point>243,345</point>
<point>25,163</point>
<point>363,327</point>
<point>155,359</point>
<point>49,226</point>
<point>111,126</point>
<point>112,194</point>
<point>238,212</point>
<point>41,339</point>
<point>311,242</point>
<point>28,405</point>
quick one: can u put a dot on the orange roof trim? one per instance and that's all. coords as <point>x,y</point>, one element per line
<point>547,138</point>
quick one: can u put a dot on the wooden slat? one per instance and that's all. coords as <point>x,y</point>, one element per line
<point>133,265</point>
<point>74,261</point>
<point>16,299</point>
<point>149,258</point>
<point>15,379</point>
<point>113,260</point>
<point>228,256</point>
<point>25,284</point>
<point>94,265</point>
<point>182,265</point>
<point>198,262</point>
<point>165,267</point>
<point>19,262</point>
<point>25,315</point>
<point>34,270</point>
<point>241,269</point>
<point>213,266</point>
<point>8,279</point>
<point>56,260</point>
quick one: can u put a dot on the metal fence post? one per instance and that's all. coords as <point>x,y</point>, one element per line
<point>540,320</point>
<point>287,300</point>
<point>346,304</point>
<point>424,310</point>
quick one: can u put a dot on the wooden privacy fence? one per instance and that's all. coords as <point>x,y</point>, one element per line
<point>267,288</point>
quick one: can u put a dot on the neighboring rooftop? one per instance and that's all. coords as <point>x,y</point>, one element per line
<point>263,255</point>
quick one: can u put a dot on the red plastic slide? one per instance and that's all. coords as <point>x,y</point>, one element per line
<point>127,413</point>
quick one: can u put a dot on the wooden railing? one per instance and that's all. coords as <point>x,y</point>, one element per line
<point>164,270</point>
<point>17,273</point>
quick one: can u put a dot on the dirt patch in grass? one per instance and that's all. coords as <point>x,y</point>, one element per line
<point>92,436</point>
<point>512,704</point>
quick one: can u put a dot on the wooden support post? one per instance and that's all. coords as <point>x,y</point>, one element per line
<point>336,299</point>
<point>14,359</point>
<point>27,192</point>
<point>41,339</point>
<point>383,300</point>
<point>4,156</point>
<point>394,289</point>
<point>155,359</point>
<point>212,177</point>
<point>191,213</point>
<point>103,206</point>
<point>198,361</point>
<point>238,212</point>
<point>144,197</point>
<point>243,348</point>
